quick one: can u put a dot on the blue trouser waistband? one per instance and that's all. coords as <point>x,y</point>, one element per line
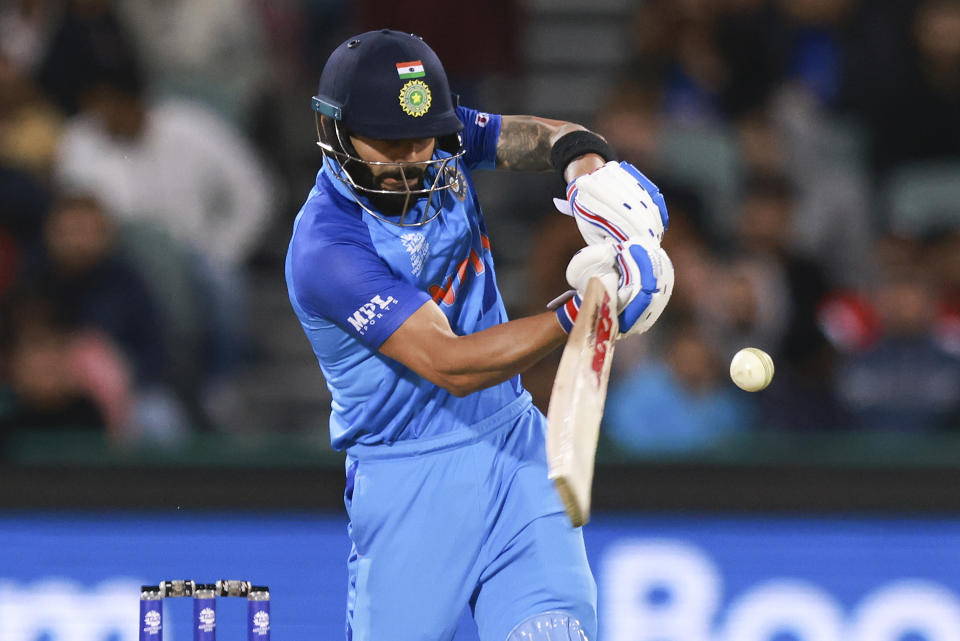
<point>457,438</point>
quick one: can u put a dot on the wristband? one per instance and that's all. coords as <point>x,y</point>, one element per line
<point>567,313</point>
<point>577,143</point>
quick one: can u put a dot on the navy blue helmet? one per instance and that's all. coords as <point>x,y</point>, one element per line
<point>388,85</point>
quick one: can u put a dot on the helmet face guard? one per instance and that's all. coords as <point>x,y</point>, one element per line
<point>389,85</point>
<point>438,176</point>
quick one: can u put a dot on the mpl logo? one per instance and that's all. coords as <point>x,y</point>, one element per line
<point>368,314</point>
<point>261,624</point>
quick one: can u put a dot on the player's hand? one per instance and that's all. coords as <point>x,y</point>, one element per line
<point>645,287</point>
<point>616,203</point>
<point>642,278</point>
<point>593,261</point>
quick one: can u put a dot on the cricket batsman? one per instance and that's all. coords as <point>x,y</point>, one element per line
<point>390,272</point>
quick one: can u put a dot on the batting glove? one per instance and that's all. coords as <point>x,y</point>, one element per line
<point>616,203</point>
<point>592,261</point>
<point>642,278</point>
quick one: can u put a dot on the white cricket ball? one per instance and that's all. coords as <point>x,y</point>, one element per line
<point>751,369</point>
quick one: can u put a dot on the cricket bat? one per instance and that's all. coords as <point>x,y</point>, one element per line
<point>576,403</point>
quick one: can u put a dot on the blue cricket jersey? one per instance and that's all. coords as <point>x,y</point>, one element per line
<point>353,279</point>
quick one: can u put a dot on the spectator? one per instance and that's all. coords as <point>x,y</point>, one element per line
<point>764,244</point>
<point>88,42</point>
<point>94,287</point>
<point>914,113</point>
<point>752,38</point>
<point>25,27</point>
<point>676,49</point>
<point>632,120</point>
<point>906,380</point>
<point>173,163</point>
<point>684,404</point>
<point>29,125</point>
<point>209,51</point>
<point>832,221</point>
<point>178,166</point>
<point>815,58</point>
<point>45,388</point>
<point>23,204</point>
<point>745,299</point>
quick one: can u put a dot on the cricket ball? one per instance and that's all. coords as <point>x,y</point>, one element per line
<point>751,369</point>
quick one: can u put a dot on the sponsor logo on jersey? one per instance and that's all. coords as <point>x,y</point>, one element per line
<point>482,119</point>
<point>368,313</point>
<point>410,69</point>
<point>417,246</point>
<point>415,98</point>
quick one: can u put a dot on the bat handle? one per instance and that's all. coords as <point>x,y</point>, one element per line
<point>612,283</point>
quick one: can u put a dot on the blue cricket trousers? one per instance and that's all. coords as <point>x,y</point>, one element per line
<point>465,518</point>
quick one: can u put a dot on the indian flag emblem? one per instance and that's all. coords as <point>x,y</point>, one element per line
<point>411,69</point>
<point>415,98</point>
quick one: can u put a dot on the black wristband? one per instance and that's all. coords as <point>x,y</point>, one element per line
<point>577,143</point>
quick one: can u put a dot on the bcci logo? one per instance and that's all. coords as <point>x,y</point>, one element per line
<point>415,98</point>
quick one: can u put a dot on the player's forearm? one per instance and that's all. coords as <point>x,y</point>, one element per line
<point>525,142</point>
<point>501,352</point>
<point>465,364</point>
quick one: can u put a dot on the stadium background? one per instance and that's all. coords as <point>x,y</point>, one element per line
<point>161,414</point>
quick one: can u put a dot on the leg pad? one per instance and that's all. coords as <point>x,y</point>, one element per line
<point>549,626</point>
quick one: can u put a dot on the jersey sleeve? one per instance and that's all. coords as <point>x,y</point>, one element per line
<point>480,134</point>
<point>350,285</point>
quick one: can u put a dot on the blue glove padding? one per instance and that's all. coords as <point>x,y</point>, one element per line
<point>643,277</point>
<point>651,189</point>
<point>645,287</point>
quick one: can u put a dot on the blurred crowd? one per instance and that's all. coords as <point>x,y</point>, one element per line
<point>134,200</point>
<point>809,151</point>
<point>809,154</point>
<point>153,154</point>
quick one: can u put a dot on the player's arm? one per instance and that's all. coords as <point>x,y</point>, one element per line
<point>465,364</point>
<point>424,342</point>
<point>528,143</point>
<point>610,201</point>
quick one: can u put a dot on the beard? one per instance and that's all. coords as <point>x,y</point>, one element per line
<point>392,204</point>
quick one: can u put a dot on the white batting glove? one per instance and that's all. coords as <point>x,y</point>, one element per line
<point>645,287</point>
<point>616,203</point>
<point>594,261</point>
<point>642,278</point>
<point>598,261</point>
